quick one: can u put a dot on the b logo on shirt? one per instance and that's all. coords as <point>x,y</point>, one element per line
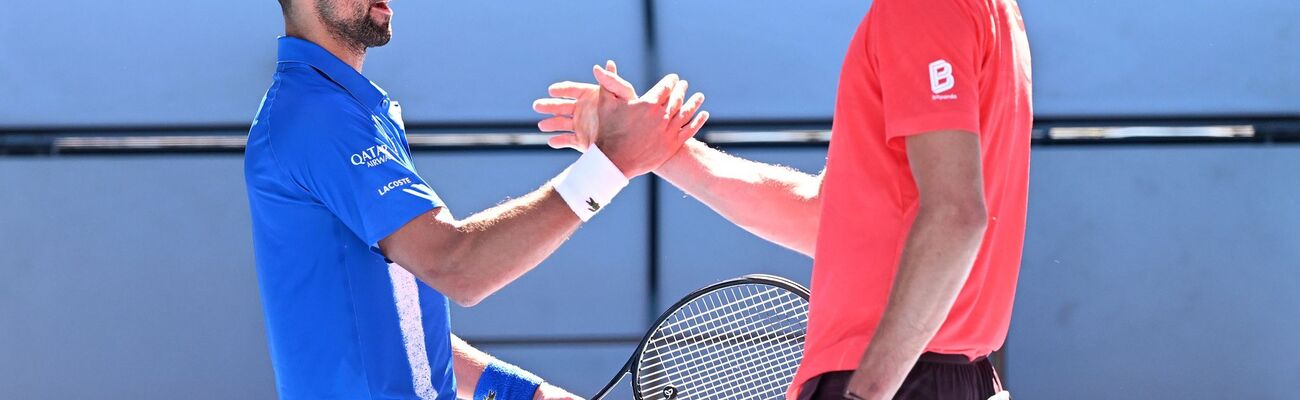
<point>941,79</point>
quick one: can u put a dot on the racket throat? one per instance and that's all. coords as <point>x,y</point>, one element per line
<point>627,367</point>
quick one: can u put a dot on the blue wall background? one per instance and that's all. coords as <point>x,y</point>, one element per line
<point>208,62</point>
<point>1149,272</point>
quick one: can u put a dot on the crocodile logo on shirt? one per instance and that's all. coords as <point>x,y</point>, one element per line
<point>592,205</point>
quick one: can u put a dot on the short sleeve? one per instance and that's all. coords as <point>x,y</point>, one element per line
<point>927,56</point>
<point>362,176</point>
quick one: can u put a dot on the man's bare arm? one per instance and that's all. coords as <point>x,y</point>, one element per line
<point>468,364</point>
<point>776,203</point>
<point>467,260</point>
<point>937,259</point>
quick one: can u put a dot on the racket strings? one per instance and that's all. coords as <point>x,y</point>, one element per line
<point>736,375</point>
<point>732,360</point>
<point>711,351</point>
<point>715,332</point>
<point>737,372</point>
<point>771,294</point>
<point>742,341</point>
<point>733,373</point>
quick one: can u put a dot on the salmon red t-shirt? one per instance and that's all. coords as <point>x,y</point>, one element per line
<point>916,66</point>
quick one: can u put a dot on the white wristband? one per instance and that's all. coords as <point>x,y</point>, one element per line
<point>590,183</point>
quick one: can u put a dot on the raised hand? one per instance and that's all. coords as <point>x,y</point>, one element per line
<point>636,133</point>
<point>567,116</point>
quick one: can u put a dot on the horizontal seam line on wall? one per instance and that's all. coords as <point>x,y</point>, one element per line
<point>551,340</point>
<point>791,133</point>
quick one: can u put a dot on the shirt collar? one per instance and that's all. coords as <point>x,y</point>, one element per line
<point>298,50</point>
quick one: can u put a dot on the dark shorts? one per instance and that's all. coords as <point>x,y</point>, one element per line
<point>935,377</point>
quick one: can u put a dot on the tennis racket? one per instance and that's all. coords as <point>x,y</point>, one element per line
<point>737,339</point>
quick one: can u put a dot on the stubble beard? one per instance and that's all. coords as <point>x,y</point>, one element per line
<point>359,33</point>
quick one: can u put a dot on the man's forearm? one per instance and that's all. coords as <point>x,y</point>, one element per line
<point>776,203</point>
<point>935,264</point>
<point>467,363</point>
<point>500,244</point>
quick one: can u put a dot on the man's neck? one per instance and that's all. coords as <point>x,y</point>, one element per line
<point>351,55</point>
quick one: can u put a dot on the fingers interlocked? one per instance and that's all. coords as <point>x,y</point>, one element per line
<point>572,106</point>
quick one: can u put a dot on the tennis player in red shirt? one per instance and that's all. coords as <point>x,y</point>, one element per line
<point>917,222</point>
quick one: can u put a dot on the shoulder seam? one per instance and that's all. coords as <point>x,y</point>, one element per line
<point>270,134</point>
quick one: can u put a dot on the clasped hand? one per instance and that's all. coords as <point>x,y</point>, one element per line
<point>637,133</point>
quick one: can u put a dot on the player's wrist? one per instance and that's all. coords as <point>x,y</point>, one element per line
<point>548,391</point>
<point>590,183</point>
<point>502,381</point>
<point>610,150</point>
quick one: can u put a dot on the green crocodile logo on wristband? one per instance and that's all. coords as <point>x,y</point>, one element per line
<point>592,205</point>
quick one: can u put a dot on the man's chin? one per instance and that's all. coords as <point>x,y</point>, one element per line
<point>383,35</point>
<point>387,33</point>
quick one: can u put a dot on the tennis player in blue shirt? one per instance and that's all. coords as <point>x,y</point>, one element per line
<point>356,254</point>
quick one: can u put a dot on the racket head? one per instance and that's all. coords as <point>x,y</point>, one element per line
<point>740,338</point>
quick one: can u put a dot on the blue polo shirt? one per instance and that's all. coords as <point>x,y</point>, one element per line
<point>329,175</point>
